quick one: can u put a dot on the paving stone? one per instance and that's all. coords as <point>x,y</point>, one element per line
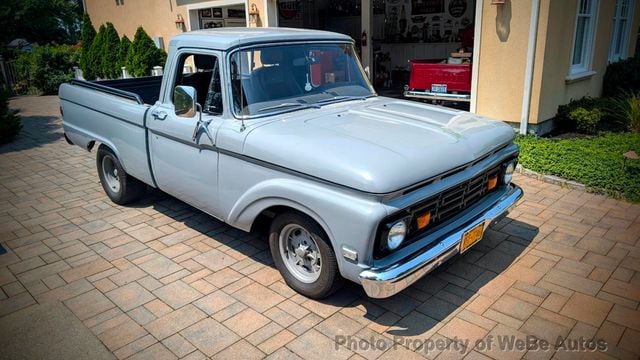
<point>159,266</point>
<point>203,332</point>
<point>88,269</point>
<point>178,345</point>
<point>514,307</point>
<point>174,322</point>
<point>177,294</point>
<point>214,302</point>
<point>315,346</point>
<point>238,350</point>
<point>89,304</point>
<point>625,316</point>
<point>246,322</point>
<point>130,296</point>
<point>122,334</point>
<point>258,297</point>
<point>587,309</point>
<point>154,352</point>
<point>573,282</point>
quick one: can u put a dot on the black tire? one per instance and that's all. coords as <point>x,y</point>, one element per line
<point>127,189</point>
<point>329,279</point>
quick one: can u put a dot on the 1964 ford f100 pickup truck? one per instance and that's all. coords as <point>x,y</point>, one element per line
<point>282,125</point>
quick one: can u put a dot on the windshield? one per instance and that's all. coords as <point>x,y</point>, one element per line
<point>289,77</point>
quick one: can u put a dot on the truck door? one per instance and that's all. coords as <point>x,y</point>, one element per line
<point>182,145</point>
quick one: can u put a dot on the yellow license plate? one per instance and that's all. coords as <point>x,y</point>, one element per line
<point>471,237</point>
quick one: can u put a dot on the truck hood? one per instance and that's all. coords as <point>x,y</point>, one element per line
<point>379,145</point>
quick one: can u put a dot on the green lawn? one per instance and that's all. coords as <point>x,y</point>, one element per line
<point>595,162</point>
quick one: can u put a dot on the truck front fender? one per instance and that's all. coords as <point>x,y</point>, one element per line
<point>347,219</point>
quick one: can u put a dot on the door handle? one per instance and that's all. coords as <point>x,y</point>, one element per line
<point>159,115</point>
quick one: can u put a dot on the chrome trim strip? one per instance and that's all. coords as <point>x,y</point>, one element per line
<point>437,96</point>
<point>388,281</point>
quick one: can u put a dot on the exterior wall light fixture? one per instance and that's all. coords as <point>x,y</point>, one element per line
<point>179,23</point>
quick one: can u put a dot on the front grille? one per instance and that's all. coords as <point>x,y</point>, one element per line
<point>455,199</point>
<point>442,207</point>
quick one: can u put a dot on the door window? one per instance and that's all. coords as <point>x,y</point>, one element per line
<point>202,72</point>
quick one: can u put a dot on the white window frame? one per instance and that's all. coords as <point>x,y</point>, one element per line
<point>587,48</point>
<point>626,31</point>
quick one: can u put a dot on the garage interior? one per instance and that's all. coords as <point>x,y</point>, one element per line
<point>400,31</point>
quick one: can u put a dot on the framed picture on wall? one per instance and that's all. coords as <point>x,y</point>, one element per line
<point>217,13</point>
<point>212,24</point>
<point>205,13</point>
<point>236,13</point>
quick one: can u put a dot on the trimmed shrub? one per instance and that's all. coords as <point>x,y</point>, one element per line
<point>563,117</point>
<point>95,55</point>
<point>143,55</point>
<point>123,51</point>
<point>88,34</point>
<point>109,53</point>
<point>45,69</point>
<point>586,120</point>
<point>621,77</point>
<point>9,120</point>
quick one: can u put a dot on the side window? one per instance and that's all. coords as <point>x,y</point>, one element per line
<point>202,72</point>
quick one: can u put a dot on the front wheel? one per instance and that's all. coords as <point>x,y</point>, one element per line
<point>303,255</point>
<point>120,187</point>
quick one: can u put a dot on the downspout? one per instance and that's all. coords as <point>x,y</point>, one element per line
<point>528,75</point>
<point>477,36</point>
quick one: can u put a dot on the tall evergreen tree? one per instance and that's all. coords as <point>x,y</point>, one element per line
<point>143,55</point>
<point>95,55</point>
<point>123,51</point>
<point>88,34</point>
<point>109,52</point>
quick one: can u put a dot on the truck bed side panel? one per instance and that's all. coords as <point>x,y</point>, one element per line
<point>119,123</point>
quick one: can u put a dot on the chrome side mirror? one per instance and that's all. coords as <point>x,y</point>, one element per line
<point>184,101</point>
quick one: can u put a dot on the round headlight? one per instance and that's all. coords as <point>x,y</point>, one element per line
<point>508,173</point>
<point>396,236</point>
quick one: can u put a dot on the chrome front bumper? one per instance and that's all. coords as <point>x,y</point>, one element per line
<point>390,280</point>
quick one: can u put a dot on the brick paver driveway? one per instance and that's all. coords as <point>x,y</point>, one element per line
<point>160,279</point>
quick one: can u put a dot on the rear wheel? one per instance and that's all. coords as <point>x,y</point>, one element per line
<point>303,255</point>
<point>120,187</point>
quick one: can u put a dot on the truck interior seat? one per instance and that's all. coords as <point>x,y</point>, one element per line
<point>276,76</point>
<point>201,79</point>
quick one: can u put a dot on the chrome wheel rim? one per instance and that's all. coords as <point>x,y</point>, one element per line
<point>300,253</point>
<point>110,172</point>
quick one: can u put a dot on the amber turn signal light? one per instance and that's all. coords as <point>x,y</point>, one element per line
<point>493,181</point>
<point>423,220</point>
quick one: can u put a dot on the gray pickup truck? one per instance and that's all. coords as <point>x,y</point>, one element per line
<point>281,126</point>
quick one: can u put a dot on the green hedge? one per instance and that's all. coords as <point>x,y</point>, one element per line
<point>595,162</point>
<point>9,120</point>
<point>104,54</point>
<point>621,77</point>
<point>43,70</point>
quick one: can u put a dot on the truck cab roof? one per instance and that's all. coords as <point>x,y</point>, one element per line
<point>227,38</point>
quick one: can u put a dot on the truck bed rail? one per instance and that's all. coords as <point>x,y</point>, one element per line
<point>113,91</point>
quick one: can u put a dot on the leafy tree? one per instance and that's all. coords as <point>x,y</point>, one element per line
<point>109,52</point>
<point>143,55</point>
<point>123,51</point>
<point>94,63</point>
<point>88,34</point>
<point>41,21</point>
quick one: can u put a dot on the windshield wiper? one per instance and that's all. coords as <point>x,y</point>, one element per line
<point>288,105</point>
<point>342,98</point>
